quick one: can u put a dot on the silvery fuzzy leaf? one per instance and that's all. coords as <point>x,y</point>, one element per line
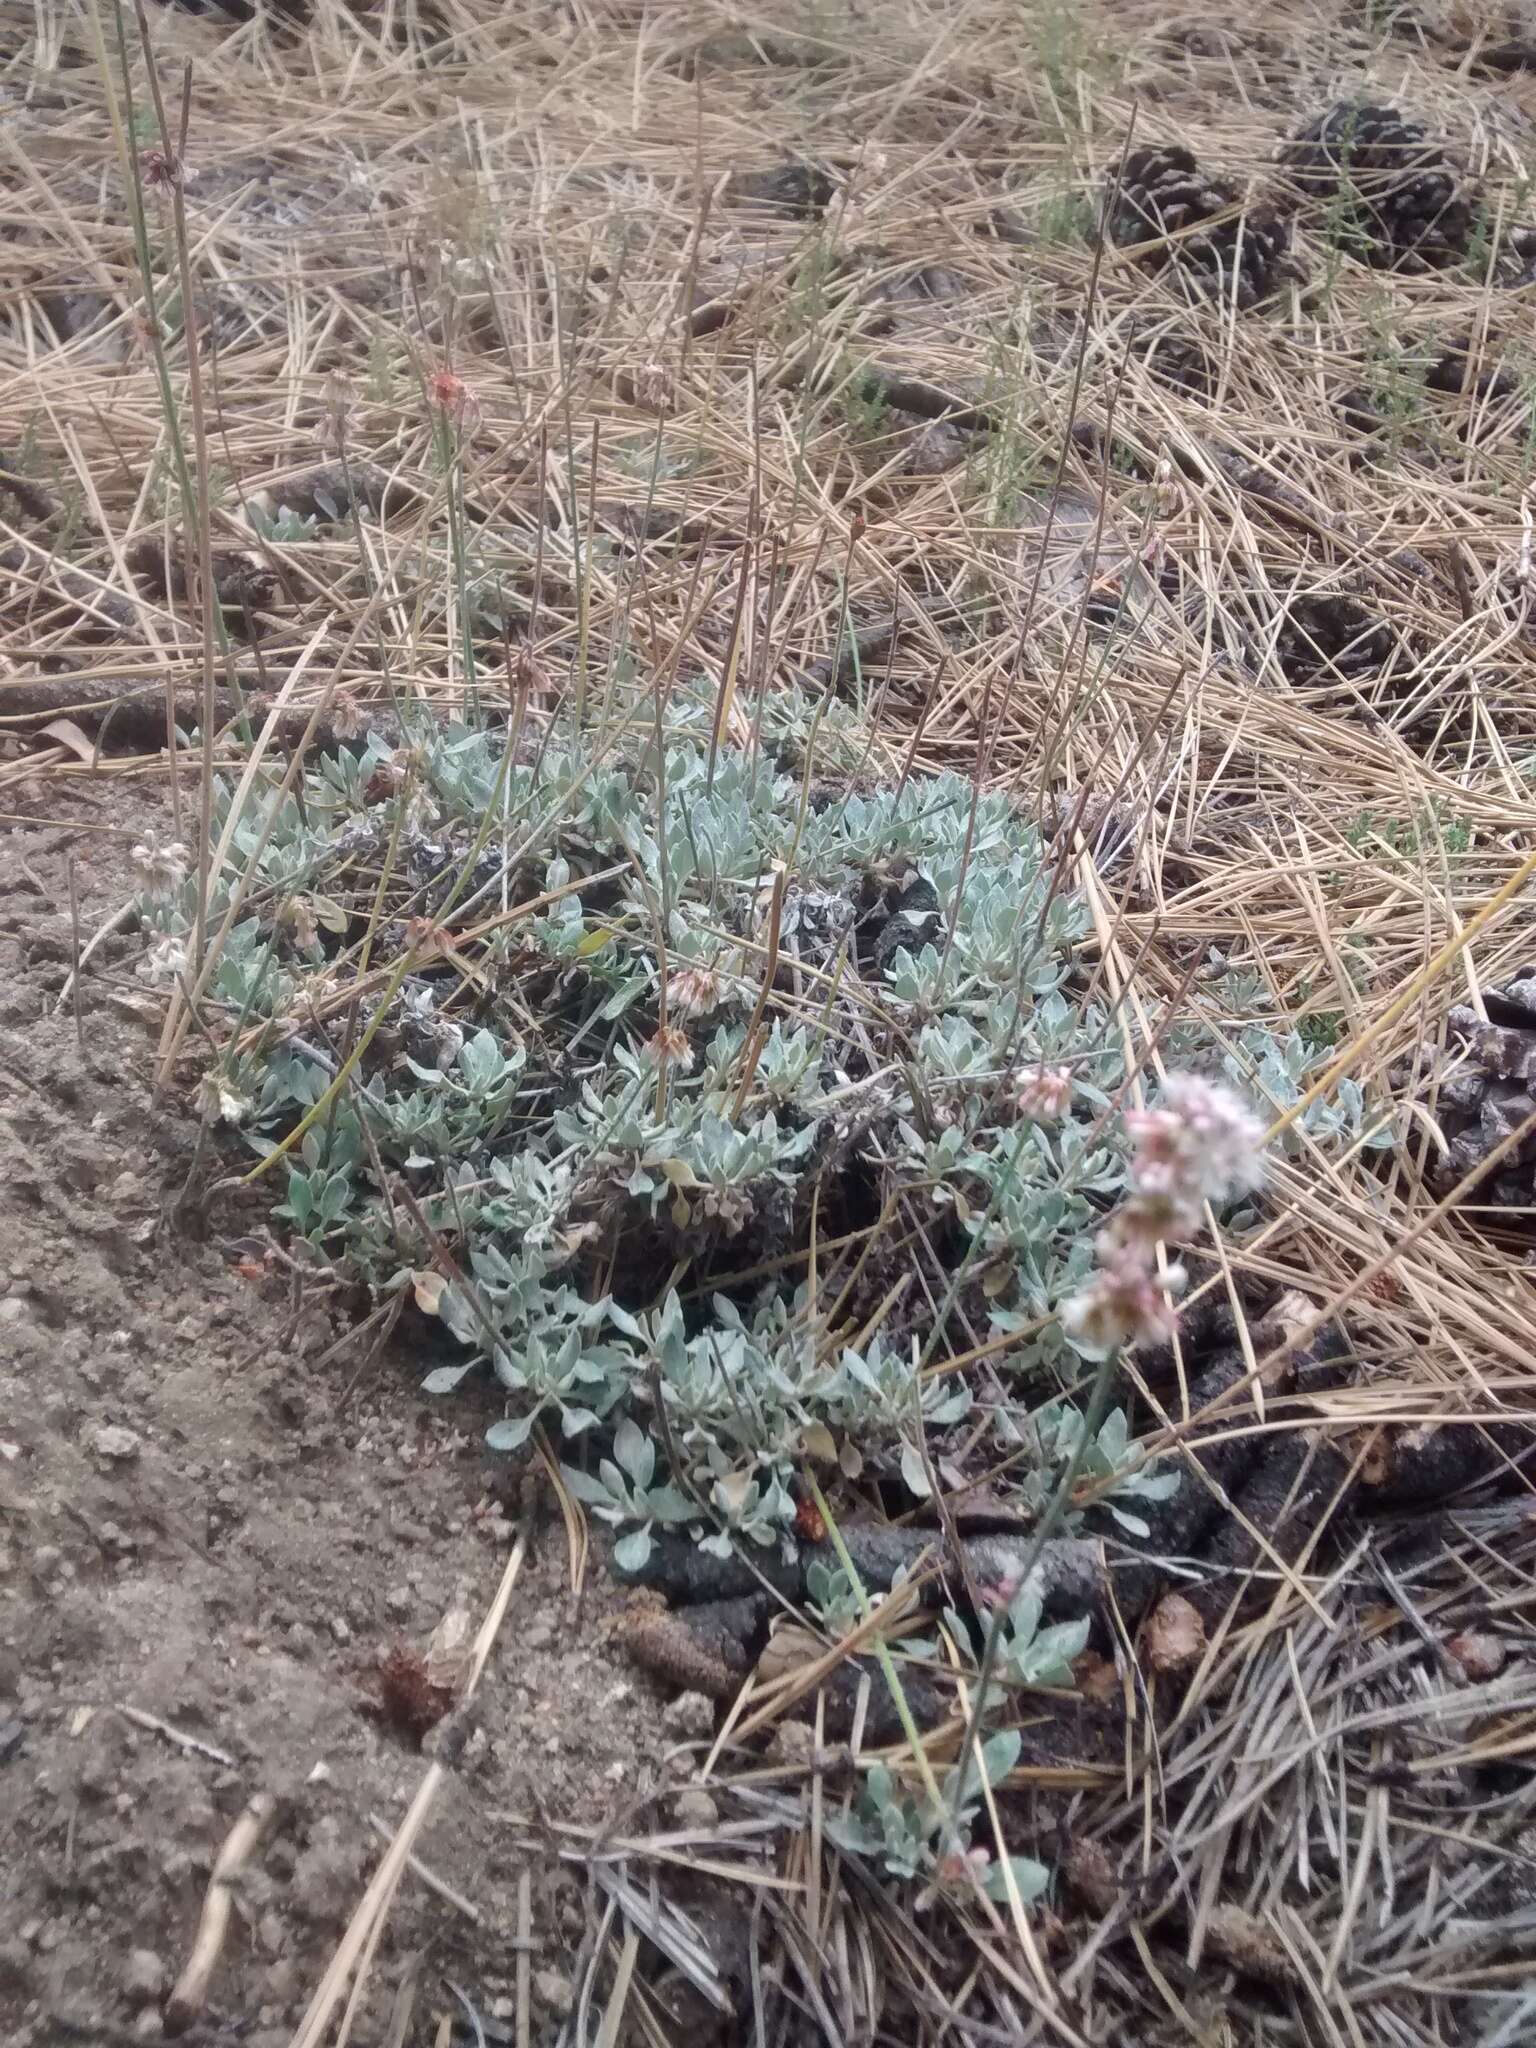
<point>631,1551</point>
<point>635,1452</point>
<point>1029,1877</point>
<point>511,1434</point>
<point>914,1472</point>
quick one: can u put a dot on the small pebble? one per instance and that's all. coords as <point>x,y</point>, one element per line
<point>695,1808</point>
<point>556,1993</point>
<point>110,1440</point>
<point>144,1976</point>
<point>690,1717</point>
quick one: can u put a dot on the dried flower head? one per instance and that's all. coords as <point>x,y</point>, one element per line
<point>348,721</point>
<point>1202,1144</point>
<point>159,169</point>
<point>336,412</point>
<point>693,991</point>
<point>221,1103</point>
<point>669,1047</point>
<point>158,869</point>
<point>732,1209</point>
<point>165,961</point>
<point>452,397</point>
<point>387,780</point>
<point>1143,1222</point>
<point>530,678</point>
<point>652,388</point>
<point>426,937</point>
<point>296,915</point>
<point>1045,1093</point>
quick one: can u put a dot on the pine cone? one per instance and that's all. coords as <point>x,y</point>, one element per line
<point>1326,635</point>
<point>1404,205</point>
<point>1480,1091</point>
<point>1163,191</point>
<point>1179,362</point>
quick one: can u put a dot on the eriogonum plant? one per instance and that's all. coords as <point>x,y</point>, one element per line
<point>686,1094</point>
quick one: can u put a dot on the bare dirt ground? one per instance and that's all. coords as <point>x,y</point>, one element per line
<point>203,1525</point>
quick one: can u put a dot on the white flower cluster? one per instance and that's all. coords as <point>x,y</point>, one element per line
<point>1201,1144</point>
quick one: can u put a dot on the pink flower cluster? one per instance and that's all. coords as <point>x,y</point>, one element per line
<point>1045,1094</point>
<point>1202,1144</point>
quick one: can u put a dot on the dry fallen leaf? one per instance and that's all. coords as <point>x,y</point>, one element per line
<point>1097,1678</point>
<point>451,1647</point>
<point>789,1648</point>
<point>818,1442</point>
<point>68,734</point>
<point>429,1289</point>
<point>1479,1654</point>
<point>1175,1634</point>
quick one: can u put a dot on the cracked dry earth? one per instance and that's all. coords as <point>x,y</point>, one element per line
<point>214,1519</point>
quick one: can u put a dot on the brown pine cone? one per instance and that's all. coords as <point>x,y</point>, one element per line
<point>1401,203</point>
<point>1163,192</point>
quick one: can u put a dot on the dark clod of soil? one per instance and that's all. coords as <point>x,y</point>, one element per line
<point>243,583</point>
<point>20,492</point>
<point>1462,370</point>
<point>802,191</point>
<point>1163,193</point>
<point>1326,635</point>
<point>1380,182</point>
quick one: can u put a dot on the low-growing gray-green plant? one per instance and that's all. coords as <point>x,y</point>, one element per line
<point>287,525</point>
<point>1029,1653</point>
<point>505,1015</point>
<point>1116,1467</point>
<point>915,1838</point>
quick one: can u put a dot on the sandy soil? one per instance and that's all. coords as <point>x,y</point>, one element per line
<point>207,1519</point>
